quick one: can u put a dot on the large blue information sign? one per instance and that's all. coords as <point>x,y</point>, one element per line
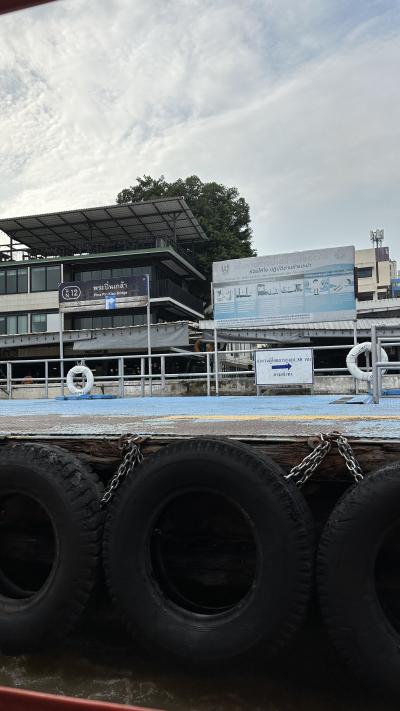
<point>299,287</point>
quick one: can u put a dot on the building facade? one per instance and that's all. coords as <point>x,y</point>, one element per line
<point>374,273</point>
<point>157,238</point>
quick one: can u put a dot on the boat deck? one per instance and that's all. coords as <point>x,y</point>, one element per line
<point>265,417</point>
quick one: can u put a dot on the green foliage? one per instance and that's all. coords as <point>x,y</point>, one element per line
<point>222,213</point>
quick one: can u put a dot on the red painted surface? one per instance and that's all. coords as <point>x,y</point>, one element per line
<point>12,5</point>
<point>20,700</point>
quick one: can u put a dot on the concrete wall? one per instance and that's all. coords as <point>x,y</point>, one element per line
<point>34,301</point>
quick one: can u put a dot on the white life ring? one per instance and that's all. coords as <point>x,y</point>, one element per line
<point>87,374</point>
<point>351,361</point>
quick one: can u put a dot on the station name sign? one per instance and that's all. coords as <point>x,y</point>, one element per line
<point>104,294</point>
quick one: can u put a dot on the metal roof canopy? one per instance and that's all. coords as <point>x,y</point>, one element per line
<point>102,228</point>
<point>298,331</point>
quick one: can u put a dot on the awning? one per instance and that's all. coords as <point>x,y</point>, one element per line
<point>103,229</point>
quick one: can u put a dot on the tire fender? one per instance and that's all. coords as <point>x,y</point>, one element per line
<point>351,361</point>
<point>80,370</point>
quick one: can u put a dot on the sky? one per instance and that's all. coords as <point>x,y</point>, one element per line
<point>297,104</point>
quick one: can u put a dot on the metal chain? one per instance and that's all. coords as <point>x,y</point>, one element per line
<point>130,444</point>
<point>302,471</point>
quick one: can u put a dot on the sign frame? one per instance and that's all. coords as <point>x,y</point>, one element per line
<point>275,381</point>
<point>310,286</point>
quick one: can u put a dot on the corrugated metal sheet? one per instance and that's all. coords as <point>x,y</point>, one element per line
<point>362,324</point>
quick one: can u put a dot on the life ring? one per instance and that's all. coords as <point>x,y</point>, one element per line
<point>351,361</point>
<point>88,375</point>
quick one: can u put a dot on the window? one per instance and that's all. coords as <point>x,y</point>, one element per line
<point>45,278</point>
<point>11,281</point>
<point>15,323</point>
<point>38,279</point>
<point>39,323</point>
<point>14,281</point>
<point>53,277</point>
<point>364,272</point>
<point>22,280</point>
<point>89,275</point>
<point>122,320</point>
<point>366,296</point>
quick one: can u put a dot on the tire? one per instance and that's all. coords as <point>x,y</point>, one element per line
<point>80,370</point>
<point>204,605</point>
<point>357,564</point>
<point>50,538</point>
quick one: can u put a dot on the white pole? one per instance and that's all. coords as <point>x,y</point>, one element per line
<point>148,310</point>
<point>61,327</point>
<point>355,343</point>
<point>61,330</point>
<point>216,359</point>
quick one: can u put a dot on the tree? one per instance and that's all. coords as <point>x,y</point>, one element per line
<point>222,213</point>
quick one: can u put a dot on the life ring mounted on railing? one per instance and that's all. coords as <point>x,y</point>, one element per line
<point>88,376</point>
<point>351,361</point>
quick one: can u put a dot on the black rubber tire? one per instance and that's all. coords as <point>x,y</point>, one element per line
<point>350,597</point>
<point>273,609</point>
<point>69,492</point>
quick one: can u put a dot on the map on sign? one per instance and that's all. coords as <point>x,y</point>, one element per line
<point>284,366</point>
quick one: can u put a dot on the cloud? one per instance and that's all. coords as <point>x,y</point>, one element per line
<point>295,103</point>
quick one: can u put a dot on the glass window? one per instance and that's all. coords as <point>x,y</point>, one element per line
<point>2,282</point>
<point>22,281</point>
<point>11,286</point>
<point>3,324</point>
<point>12,324</point>
<point>364,272</point>
<point>123,320</point>
<point>38,278</point>
<point>141,271</point>
<point>53,277</point>
<point>46,278</point>
<point>98,321</point>
<point>121,271</point>
<point>82,323</point>
<point>39,323</point>
<point>22,323</point>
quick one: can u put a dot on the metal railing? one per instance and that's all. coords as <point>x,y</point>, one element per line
<point>379,366</point>
<point>127,371</point>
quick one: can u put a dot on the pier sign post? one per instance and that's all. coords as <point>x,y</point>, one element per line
<point>284,366</point>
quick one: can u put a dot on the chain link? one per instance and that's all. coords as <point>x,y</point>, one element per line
<point>302,471</point>
<point>130,445</point>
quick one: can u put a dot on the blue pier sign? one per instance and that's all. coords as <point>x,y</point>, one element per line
<point>298,287</point>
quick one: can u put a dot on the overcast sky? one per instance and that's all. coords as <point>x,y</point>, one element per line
<point>295,103</point>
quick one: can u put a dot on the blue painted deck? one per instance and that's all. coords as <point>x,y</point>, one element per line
<point>270,416</point>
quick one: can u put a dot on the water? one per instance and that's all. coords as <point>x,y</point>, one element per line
<point>102,663</point>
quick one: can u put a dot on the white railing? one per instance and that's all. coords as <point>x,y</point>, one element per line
<point>138,370</point>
